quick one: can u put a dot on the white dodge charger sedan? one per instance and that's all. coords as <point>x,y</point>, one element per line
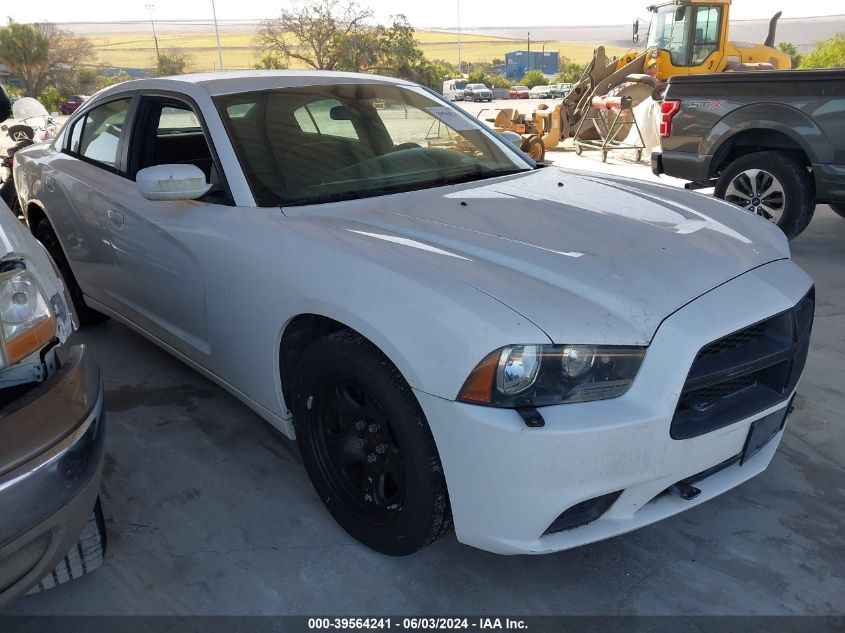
<point>453,334</point>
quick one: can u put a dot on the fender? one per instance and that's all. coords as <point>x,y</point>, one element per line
<point>770,116</point>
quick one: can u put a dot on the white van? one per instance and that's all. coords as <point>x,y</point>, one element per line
<point>453,89</point>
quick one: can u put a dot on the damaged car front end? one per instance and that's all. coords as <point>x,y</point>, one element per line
<point>51,427</point>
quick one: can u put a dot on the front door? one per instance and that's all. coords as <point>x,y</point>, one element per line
<point>167,254</point>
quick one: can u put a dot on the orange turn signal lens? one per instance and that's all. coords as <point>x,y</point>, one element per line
<point>30,340</point>
<point>479,385</point>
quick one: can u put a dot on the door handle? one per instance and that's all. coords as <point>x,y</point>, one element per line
<point>116,218</point>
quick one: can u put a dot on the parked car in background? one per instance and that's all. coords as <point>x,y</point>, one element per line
<point>51,426</point>
<point>519,92</point>
<point>478,92</point>
<point>72,103</point>
<point>559,91</point>
<point>453,89</point>
<point>772,143</point>
<point>590,354</point>
<point>540,92</point>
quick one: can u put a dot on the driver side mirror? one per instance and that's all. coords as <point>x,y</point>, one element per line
<point>172,182</point>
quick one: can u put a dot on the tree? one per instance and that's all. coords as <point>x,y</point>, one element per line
<point>172,62</point>
<point>828,54</point>
<point>570,72</point>
<point>313,31</point>
<point>790,49</point>
<point>104,81</point>
<point>41,54</point>
<point>270,62</point>
<point>534,78</point>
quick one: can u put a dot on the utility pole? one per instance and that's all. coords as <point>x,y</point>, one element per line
<point>529,50</point>
<point>460,64</point>
<point>217,33</point>
<point>150,8</point>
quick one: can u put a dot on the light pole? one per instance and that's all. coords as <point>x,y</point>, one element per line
<point>529,50</point>
<point>460,65</point>
<point>217,33</point>
<point>150,8</point>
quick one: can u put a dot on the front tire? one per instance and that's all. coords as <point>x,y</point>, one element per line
<point>772,185</point>
<point>367,446</point>
<point>838,209</point>
<point>45,234</point>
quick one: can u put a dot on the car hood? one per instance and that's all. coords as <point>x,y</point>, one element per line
<point>587,258</point>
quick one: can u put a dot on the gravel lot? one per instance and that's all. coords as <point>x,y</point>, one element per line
<point>211,513</point>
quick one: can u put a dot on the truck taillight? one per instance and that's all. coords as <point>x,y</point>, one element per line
<point>668,109</point>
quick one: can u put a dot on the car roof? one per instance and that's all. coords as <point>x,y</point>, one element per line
<point>233,82</point>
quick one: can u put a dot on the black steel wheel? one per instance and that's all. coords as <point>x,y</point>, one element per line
<point>356,449</point>
<point>367,446</point>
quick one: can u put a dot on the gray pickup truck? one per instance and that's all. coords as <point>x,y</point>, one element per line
<point>773,143</point>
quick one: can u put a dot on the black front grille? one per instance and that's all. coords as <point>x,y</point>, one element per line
<point>745,373</point>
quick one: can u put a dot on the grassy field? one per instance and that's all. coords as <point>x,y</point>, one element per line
<point>136,50</point>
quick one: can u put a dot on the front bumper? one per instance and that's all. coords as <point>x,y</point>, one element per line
<point>51,464</point>
<point>508,483</point>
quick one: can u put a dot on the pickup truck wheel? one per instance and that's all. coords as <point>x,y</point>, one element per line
<point>772,185</point>
<point>367,446</point>
<point>45,234</point>
<point>838,209</point>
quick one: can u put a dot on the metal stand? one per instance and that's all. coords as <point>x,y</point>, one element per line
<point>622,111</point>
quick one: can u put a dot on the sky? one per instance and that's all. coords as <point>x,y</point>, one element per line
<point>435,13</point>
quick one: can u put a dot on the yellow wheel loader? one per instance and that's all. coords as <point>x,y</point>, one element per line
<point>685,37</point>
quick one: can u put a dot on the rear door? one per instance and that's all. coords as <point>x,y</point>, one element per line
<point>81,185</point>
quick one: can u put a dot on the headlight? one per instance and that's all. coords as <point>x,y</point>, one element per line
<point>26,322</point>
<point>542,375</point>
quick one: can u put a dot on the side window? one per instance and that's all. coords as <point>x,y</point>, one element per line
<point>75,136</point>
<point>97,135</point>
<point>172,134</point>
<point>406,124</point>
<point>708,21</point>
<point>316,118</point>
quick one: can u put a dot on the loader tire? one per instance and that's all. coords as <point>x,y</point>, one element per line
<point>535,148</point>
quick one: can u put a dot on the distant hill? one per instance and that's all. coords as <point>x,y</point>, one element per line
<point>803,32</point>
<point>130,45</point>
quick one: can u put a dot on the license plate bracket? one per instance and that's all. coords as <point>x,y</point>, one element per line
<point>762,432</point>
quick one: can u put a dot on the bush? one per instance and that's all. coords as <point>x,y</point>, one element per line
<point>534,78</point>
<point>828,54</point>
<point>571,72</point>
<point>50,98</point>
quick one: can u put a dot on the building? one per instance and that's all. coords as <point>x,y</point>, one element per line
<point>518,63</point>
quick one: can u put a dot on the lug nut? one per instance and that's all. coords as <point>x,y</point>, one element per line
<point>360,425</point>
<point>359,443</point>
<point>381,449</point>
<point>371,458</point>
<point>373,428</point>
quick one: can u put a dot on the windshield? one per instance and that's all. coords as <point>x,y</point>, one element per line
<point>669,32</point>
<point>300,146</point>
<point>477,86</point>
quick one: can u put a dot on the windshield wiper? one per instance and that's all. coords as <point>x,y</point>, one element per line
<point>357,194</point>
<point>474,176</point>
